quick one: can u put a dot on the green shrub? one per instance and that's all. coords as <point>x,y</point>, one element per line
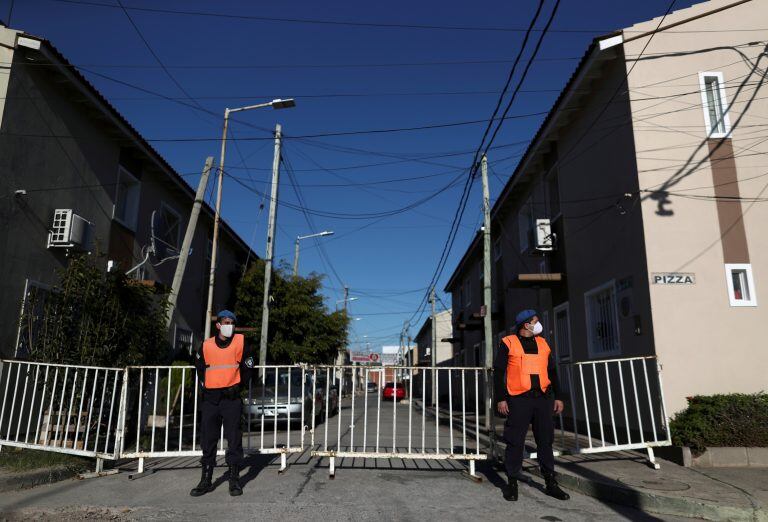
<point>722,420</point>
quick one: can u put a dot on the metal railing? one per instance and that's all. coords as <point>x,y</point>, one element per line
<point>163,402</point>
<point>400,420</point>
<point>334,412</point>
<point>615,405</point>
<point>60,407</point>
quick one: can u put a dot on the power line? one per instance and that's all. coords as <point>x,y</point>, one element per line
<point>468,182</point>
<point>352,23</point>
<point>326,22</point>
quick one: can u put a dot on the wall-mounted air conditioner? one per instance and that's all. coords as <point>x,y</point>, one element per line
<point>543,238</point>
<point>70,231</point>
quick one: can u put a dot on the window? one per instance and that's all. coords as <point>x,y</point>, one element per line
<point>602,321</point>
<point>553,194</point>
<point>525,225</point>
<point>497,249</point>
<point>126,208</point>
<point>714,103</point>
<point>562,333</point>
<point>467,292</point>
<point>183,340</point>
<point>167,232</point>
<point>741,285</point>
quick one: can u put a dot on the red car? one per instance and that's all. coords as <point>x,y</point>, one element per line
<point>389,391</point>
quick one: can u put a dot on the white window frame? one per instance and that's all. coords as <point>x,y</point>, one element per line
<point>561,357</point>
<point>132,212</point>
<point>705,105</point>
<point>747,267</point>
<point>610,285</point>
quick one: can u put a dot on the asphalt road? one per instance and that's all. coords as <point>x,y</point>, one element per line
<point>364,489</point>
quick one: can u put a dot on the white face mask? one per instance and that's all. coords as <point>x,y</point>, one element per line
<point>227,330</point>
<point>537,329</point>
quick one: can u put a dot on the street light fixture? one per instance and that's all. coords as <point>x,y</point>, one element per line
<point>296,253</point>
<point>275,104</point>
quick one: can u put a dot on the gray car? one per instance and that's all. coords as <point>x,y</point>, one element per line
<point>264,403</point>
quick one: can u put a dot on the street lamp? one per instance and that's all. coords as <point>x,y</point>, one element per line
<point>347,299</point>
<point>275,104</point>
<point>296,254</point>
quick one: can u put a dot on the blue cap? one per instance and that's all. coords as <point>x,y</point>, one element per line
<point>226,314</point>
<point>523,317</point>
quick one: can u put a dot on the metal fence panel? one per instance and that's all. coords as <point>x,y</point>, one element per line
<point>62,408</point>
<point>398,417</point>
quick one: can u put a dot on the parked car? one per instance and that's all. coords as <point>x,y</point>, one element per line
<point>333,395</point>
<point>392,393</point>
<point>373,387</point>
<point>265,403</point>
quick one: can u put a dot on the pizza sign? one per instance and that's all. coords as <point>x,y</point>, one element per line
<point>673,278</point>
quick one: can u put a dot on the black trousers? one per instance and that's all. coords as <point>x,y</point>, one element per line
<point>216,412</point>
<point>525,411</point>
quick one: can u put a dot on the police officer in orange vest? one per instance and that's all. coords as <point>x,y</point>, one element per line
<point>223,362</point>
<point>527,393</point>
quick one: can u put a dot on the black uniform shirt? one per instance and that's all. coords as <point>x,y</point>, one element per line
<point>246,364</point>
<point>500,372</point>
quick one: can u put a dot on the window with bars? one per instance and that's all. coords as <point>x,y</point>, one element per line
<point>714,104</point>
<point>183,340</point>
<point>602,321</point>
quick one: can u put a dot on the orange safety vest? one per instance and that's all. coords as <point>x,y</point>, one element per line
<point>222,368</point>
<point>521,365</point>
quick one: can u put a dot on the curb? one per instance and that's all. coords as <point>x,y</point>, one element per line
<point>642,500</point>
<point>658,504</point>
<point>34,478</point>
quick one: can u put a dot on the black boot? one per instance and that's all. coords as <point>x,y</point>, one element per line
<point>510,490</point>
<point>206,482</point>
<point>553,490</point>
<point>235,489</point>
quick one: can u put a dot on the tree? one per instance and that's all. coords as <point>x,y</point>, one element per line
<point>301,328</point>
<point>95,318</point>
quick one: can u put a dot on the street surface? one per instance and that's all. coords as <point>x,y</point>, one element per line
<point>364,489</point>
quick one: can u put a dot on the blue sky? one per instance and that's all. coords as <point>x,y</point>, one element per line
<point>344,78</point>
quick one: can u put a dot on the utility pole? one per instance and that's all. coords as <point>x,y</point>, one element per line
<point>270,253</point>
<point>189,235</point>
<point>216,221</point>
<point>434,348</point>
<point>487,293</point>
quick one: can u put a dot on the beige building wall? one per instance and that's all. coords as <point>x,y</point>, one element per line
<point>704,344</point>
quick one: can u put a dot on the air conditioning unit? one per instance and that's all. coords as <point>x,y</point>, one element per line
<point>544,239</point>
<point>70,231</point>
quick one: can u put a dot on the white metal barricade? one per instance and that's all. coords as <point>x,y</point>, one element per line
<point>615,405</point>
<point>62,408</point>
<point>335,412</point>
<point>163,404</point>
<point>395,418</point>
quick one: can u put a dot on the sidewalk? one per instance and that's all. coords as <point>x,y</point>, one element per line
<point>625,478</point>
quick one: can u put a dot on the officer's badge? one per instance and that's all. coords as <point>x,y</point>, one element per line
<point>198,354</point>
<point>249,362</point>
